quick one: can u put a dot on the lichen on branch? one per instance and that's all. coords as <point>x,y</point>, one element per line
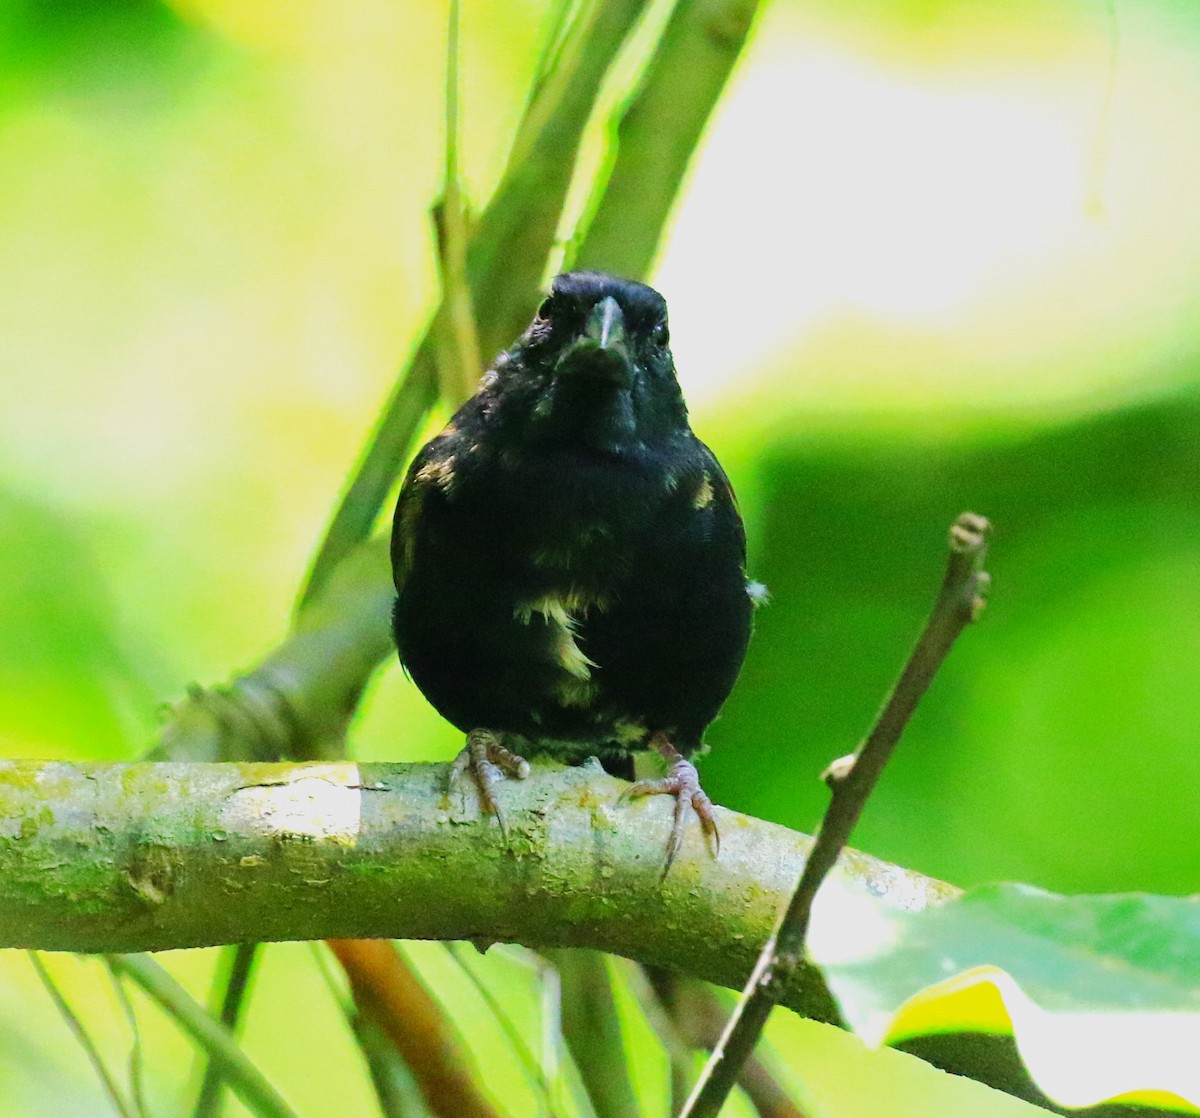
<point>146,857</point>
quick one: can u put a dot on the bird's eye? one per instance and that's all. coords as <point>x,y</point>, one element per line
<point>546,310</point>
<point>660,333</point>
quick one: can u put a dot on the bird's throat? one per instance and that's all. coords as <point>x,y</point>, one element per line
<point>592,413</point>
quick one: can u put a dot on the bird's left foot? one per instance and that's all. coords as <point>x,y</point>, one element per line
<point>683,782</point>
<point>488,761</point>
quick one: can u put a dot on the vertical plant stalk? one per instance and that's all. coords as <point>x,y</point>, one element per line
<point>393,999</point>
<point>82,1037</point>
<point>660,130</point>
<point>852,780</point>
<point>247,1082</point>
<point>534,1073</point>
<point>655,990</point>
<point>458,359</point>
<point>505,258</point>
<point>1097,172</point>
<point>395,1088</point>
<point>137,1084</point>
<point>591,1027</point>
<point>234,982</point>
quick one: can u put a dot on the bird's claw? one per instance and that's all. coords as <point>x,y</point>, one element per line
<point>488,762</point>
<point>683,782</point>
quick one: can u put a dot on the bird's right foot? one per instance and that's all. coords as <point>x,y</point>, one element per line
<point>488,761</point>
<point>683,782</point>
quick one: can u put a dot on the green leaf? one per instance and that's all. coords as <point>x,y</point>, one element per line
<point>1102,993</point>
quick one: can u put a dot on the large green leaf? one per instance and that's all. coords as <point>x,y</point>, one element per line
<point>1102,993</point>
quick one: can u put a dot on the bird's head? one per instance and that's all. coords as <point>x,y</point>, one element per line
<point>594,368</point>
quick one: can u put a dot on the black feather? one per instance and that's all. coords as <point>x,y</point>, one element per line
<point>568,556</point>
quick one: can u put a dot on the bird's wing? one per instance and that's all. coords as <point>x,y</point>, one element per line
<point>431,472</point>
<point>725,497</point>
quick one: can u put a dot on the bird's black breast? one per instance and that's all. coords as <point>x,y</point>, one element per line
<point>581,599</point>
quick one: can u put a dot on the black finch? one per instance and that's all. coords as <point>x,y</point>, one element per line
<point>569,558</point>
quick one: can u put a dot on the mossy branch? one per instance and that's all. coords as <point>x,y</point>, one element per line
<point>146,857</point>
<point>116,858</point>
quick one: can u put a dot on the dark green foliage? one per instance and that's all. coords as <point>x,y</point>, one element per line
<point>1056,746</point>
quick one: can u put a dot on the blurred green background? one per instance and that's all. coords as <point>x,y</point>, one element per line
<point>931,256</point>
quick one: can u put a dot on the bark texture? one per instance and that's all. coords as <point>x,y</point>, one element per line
<point>147,857</point>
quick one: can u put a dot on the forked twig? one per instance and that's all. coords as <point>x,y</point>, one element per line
<point>851,779</point>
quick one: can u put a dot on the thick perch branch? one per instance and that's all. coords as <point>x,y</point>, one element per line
<point>119,858</point>
<point>145,857</point>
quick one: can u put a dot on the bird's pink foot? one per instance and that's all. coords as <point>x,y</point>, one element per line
<point>683,782</point>
<point>488,762</point>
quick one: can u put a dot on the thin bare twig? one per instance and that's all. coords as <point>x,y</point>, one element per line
<point>852,779</point>
<point>695,1018</point>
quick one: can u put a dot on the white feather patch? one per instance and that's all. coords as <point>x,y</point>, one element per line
<point>559,614</point>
